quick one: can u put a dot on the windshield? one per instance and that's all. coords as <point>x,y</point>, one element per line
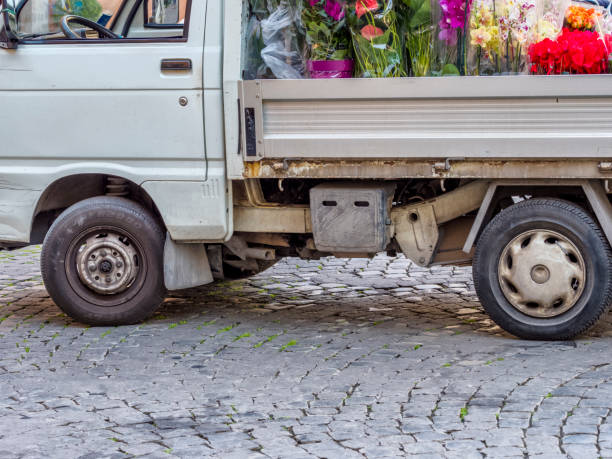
<point>41,17</point>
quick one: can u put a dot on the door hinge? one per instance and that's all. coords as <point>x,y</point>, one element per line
<point>445,166</point>
<point>605,166</point>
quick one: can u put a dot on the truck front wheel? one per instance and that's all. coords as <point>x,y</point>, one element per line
<point>102,262</point>
<point>543,270</point>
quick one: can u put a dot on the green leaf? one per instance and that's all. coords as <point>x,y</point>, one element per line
<point>421,14</point>
<point>450,69</point>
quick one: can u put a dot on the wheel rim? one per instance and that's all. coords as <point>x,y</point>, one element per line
<point>107,263</point>
<point>542,273</point>
<point>128,252</point>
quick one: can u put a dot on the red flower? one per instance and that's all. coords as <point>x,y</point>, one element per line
<point>363,6</point>
<point>576,52</point>
<point>370,32</point>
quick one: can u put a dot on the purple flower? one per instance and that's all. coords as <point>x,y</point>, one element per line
<point>448,36</point>
<point>453,18</point>
<point>334,9</point>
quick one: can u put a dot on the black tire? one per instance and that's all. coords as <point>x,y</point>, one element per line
<point>580,229</point>
<point>143,244</point>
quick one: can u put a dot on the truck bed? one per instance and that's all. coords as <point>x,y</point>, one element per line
<point>425,121</point>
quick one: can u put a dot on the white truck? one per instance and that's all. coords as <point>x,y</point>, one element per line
<point>143,162</point>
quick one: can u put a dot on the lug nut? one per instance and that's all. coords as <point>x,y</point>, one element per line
<point>108,280</point>
<point>102,253</point>
<point>92,267</point>
<point>119,264</point>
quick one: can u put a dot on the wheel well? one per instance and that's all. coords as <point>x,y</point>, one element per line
<point>508,195</point>
<point>72,189</point>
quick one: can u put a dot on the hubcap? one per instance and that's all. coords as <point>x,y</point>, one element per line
<point>541,273</point>
<point>107,263</point>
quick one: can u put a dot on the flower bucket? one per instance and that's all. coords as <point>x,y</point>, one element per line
<point>331,69</point>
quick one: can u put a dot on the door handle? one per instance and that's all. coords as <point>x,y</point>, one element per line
<point>176,64</point>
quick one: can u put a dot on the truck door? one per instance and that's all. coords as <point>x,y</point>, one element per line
<point>110,86</point>
<point>116,87</point>
<point>130,92</point>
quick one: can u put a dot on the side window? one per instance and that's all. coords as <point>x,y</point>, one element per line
<point>41,20</point>
<point>42,17</point>
<point>165,13</point>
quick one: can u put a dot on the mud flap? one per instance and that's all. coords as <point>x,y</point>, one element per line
<point>185,265</point>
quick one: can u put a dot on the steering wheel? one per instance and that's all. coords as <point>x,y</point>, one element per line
<point>72,35</point>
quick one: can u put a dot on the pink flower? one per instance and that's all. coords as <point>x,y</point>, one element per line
<point>334,9</point>
<point>370,32</point>
<point>453,18</point>
<point>363,6</point>
<point>449,36</point>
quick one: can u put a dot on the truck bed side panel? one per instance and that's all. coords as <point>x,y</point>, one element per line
<point>515,117</point>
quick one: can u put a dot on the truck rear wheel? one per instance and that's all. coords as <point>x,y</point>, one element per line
<point>543,270</point>
<point>102,262</point>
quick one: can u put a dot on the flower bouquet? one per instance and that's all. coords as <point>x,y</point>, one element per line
<point>551,14</point>
<point>517,29</point>
<point>416,29</point>
<point>501,32</point>
<point>485,39</point>
<point>376,41</point>
<point>419,44</point>
<point>573,52</point>
<point>579,17</point>
<point>453,24</point>
<point>274,42</point>
<point>328,39</point>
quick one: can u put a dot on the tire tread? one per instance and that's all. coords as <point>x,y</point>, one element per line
<point>112,203</point>
<point>506,216</point>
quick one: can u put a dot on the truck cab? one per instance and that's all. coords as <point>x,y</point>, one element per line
<point>135,153</point>
<point>121,99</point>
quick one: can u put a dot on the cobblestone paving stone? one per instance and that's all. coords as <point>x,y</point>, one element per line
<point>330,359</point>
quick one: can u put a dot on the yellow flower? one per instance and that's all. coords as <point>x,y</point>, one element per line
<point>480,37</point>
<point>486,17</point>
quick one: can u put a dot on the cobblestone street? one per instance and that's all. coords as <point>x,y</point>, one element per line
<point>330,359</point>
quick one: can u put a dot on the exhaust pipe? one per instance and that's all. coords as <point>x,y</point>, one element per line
<point>260,253</point>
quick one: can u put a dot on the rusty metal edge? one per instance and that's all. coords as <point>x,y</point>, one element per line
<point>398,169</point>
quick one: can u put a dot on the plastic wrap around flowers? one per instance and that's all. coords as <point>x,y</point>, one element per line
<point>583,47</point>
<point>376,42</point>
<point>328,39</point>
<point>485,38</point>
<point>453,26</point>
<point>393,38</point>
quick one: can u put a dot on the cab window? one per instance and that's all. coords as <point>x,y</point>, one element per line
<point>50,20</point>
<point>165,13</point>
